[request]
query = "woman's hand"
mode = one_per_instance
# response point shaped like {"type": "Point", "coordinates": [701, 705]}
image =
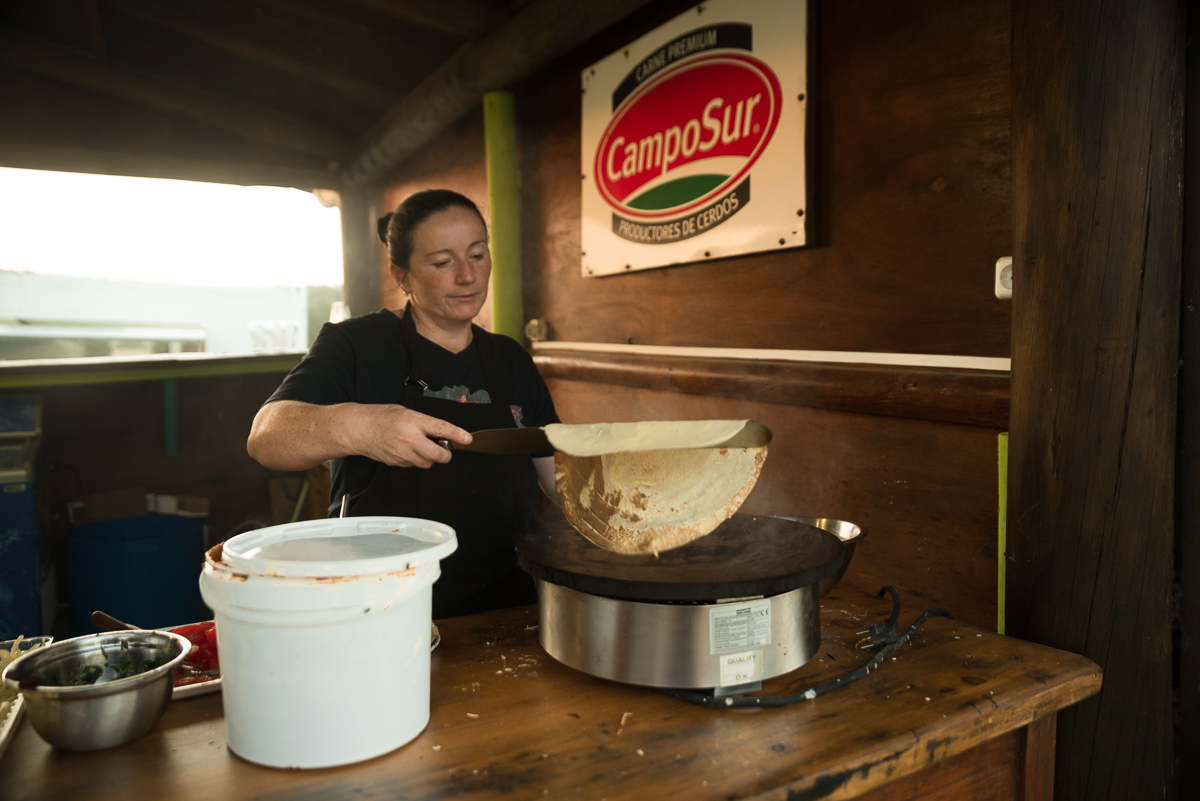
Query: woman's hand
{"type": "Point", "coordinates": [401, 437]}
{"type": "Point", "coordinates": [291, 435]}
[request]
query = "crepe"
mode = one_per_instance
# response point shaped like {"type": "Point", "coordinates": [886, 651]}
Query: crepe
{"type": "Point", "coordinates": [637, 488]}
{"type": "Point", "coordinates": [598, 439]}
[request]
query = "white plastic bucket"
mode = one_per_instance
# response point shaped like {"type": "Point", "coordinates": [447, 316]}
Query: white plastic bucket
{"type": "Point", "coordinates": [323, 635]}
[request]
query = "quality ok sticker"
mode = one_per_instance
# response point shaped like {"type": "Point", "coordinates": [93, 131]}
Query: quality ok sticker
{"type": "Point", "coordinates": [741, 668]}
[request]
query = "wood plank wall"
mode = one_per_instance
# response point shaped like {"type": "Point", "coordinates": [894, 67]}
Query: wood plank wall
{"type": "Point", "coordinates": [1098, 93]}
{"type": "Point", "coordinates": [911, 199]}
{"type": "Point", "coordinates": [911, 209]}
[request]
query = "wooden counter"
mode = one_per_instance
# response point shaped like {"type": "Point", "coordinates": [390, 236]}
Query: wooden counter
{"type": "Point", "coordinates": [948, 717]}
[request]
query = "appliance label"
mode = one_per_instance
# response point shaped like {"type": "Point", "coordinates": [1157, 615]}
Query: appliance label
{"type": "Point", "coordinates": [741, 668]}
{"type": "Point", "coordinates": [736, 627]}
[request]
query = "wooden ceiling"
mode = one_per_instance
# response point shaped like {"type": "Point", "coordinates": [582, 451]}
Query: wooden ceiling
{"type": "Point", "coordinates": [286, 92]}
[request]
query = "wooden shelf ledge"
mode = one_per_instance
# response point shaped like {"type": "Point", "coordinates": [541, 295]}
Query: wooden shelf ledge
{"type": "Point", "coordinates": [967, 397]}
{"type": "Point", "coordinates": [21, 374]}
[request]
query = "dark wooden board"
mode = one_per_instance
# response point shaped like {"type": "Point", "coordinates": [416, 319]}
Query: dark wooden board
{"type": "Point", "coordinates": [1187, 476]}
{"type": "Point", "coordinates": [1187, 465]}
{"type": "Point", "coordinates": [986, 773]}
{"type": "Point", "coordinates": [744, 556]}
{"type": "Point", "coordinates": [1097, 171]}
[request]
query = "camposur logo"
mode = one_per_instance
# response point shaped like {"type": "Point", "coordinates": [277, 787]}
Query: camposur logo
{"type": "Point", "coordinates": [675, 159]}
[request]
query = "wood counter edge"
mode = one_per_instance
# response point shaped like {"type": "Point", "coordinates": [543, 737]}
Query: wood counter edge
{"type": "Point", "coordinates": [859, 775]}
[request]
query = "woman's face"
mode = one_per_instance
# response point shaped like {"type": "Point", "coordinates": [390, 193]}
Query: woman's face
{"type": "Point", "coordinates": [447, 276]}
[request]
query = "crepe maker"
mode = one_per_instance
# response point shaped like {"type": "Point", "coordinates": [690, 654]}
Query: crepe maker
{"type": "Point", "coordinates": [722, 613]}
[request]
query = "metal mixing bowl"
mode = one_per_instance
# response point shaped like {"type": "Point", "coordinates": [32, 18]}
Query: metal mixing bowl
{"type": "Point", "coordinates": [848, 533]}
{"type": "Point", "coordinates": [89, 717]}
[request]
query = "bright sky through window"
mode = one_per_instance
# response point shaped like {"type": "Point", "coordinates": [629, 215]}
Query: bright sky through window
{"type": "Point", "coordinates": [162, 231]}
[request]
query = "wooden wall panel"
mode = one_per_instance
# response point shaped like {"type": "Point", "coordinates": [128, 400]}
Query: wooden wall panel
{"type": "Point", "coordinates": [912, 199]}
{"type": "Point", "coordinates": [925, 491]}
{"type": "Point", "coordinates": [1097, 176]}
{"type": "Point", "coordinates": [1187, 465]}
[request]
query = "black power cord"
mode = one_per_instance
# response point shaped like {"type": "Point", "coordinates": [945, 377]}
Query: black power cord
{"type": "Point", "coordinates": [884, 636]}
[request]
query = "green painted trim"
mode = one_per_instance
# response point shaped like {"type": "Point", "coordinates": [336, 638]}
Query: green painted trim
{"type": "Point", "coordinates": [122, 376]}
{"type": "Point", "coordinates": [504, 203]}
{"type": "Point", "coordinates": [171, 417]}
{"type": "Point", "coordinates": [1001, 560]}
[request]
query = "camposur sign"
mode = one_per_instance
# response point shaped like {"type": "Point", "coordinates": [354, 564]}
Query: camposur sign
{"type": "Point", "coordinates": [693, 139]}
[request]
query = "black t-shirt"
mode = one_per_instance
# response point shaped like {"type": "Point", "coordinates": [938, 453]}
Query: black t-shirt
{"type": "Point", "coordinates": [363, 360]}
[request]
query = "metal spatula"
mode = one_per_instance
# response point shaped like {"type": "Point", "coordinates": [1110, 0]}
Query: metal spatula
{"type": "Point", "coordinates": [504, 441]}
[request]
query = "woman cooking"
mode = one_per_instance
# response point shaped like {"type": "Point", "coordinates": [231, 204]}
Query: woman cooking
{"type": "Point", "coordinates": [375, 392]}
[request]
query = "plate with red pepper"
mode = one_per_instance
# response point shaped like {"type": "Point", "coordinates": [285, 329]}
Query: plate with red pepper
{"type": "Point", "coordinates": [200, 672]}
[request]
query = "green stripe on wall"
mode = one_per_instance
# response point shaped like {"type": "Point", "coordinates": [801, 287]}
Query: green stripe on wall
{"type": "Point", "coordinates": [1001, 560]}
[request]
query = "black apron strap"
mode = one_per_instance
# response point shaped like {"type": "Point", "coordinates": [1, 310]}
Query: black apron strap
{"type": "Point", "coordinates": [496, 386]}
{"type": "Point", "coordinates": [414, 383]}
{"type": "Point", "coordinates": [396, 487]}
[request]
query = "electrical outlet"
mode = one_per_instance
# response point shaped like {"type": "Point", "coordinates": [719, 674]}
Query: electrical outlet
{"type": "Point", "coordinates": [1004, 272]}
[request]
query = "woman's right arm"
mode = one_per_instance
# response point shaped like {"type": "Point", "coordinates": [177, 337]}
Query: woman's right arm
{"type": "Point", "coordinates": [293, 435]}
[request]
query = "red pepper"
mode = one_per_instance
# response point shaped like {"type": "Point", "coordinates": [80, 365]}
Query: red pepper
{"type": "Point", "coordinates": [203, 637]}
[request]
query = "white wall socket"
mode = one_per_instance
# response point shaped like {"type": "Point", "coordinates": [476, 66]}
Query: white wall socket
{"type": "Point", "coordinates": [1004, 277]}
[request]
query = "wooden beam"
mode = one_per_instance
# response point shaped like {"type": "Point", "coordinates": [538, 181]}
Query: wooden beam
{"type": "Point", "coordinates": [368, 94]}
{"type": "Point", "coordinates": [360, 250]}
{"type": "Point", "coordinates": [96, 28]}
{"type": "Point", "coordinates": [968, 397]}
{"type": "Point", "coordinates": [465, 18]}
{"type": "Point", "coordinates": [543, 31]}
{"type": "Point", "coordinates": [1187, 476]}
{"type": "Point", "coordinates": [256, 124]}
{"type": "Point", "coordinates": [36, 156]}
{"type": "Point", "coordinates": [1036, 773]}
{"type": "Point", "coordinates": [1097, 171]}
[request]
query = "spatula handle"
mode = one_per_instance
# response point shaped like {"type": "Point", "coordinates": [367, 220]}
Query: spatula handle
{"type": "Point", "coordinates": [109, 623]}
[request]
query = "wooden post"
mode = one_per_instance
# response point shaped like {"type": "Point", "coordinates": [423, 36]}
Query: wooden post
{"type": "Point", "coordinates": [360, 250]}
{"type": "Point", "coordinates": [504, 202]}
{"type": "Point", "coordinates": [1187, 483]}
{"type": "Point", "coordinates": [1036, 778]}
{"type": "Point", "coordinates": [1097, 169]}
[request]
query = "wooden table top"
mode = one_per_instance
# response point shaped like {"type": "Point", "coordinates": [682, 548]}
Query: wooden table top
{"type": "Point", "coordinates": [508, 720]}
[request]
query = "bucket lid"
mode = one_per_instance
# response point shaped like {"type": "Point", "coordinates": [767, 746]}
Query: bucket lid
{"type": "Point", "coordinates": [348, 546]}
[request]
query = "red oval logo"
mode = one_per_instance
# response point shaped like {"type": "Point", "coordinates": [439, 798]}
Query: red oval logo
{"type": "Point", "coordinates": [687, 135]}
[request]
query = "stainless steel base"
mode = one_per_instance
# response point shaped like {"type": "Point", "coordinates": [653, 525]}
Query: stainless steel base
{"type": "Point", "coordinates": [685, 645]}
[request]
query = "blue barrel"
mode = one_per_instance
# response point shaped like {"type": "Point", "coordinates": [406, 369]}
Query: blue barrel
{"type": "Point", "coordinates": [20, 572]}
{"type": "Point", "coordinates": [143, 570]}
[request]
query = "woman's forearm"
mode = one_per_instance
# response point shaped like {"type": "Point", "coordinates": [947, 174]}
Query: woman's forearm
{"type": "Point", "coordinates": [292, 435]}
